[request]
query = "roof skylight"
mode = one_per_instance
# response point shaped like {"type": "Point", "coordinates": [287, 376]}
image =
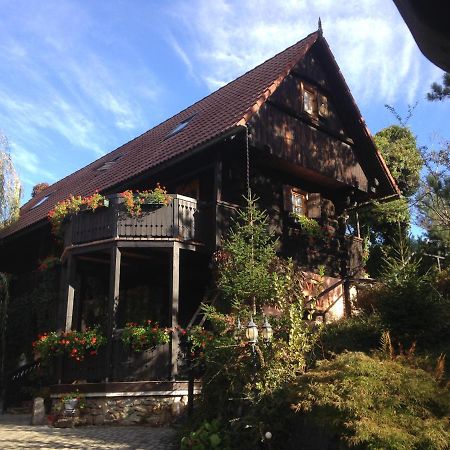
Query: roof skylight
{"type": "Point", "coordinates": [179, 127]}
{"type": "Point", "coordinates": [108, 164]}
{"type": "Point", "coordinates": [42, 200]}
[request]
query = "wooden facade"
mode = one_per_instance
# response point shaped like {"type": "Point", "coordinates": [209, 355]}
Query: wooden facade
{"type": "Point", "coordinates": [304, 138]}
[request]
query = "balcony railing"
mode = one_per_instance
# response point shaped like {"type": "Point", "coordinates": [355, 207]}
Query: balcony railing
{"type": "Point", "coordinates": [179, 220]}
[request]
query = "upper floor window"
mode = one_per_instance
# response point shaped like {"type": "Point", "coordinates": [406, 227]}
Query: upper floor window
{"type": "Point", "coordinates": [314, 103]}
{"type": "Point", "coordinates": [303, 203]}
{"type": "Point", "coordinates": [323, 106]}
{"type": "Point", "coordinates": [298, 200]}
{"type": "Point", "coordinates": [309, 101]}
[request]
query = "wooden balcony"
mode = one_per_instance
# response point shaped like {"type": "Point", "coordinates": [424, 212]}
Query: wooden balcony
{"type": "Point", "coordinates": [180, 220]}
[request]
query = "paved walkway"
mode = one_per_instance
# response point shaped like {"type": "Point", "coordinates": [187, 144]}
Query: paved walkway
{"type": "Point", "coordinates": [16, 433]}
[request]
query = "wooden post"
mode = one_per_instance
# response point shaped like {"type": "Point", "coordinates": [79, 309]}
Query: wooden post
{"type": "Point", "coordinates": [69, 292]}
{"type": "Point", "coordinates": [347, 298]}
{"type": "Point", "coordinates": [114, 290]}
{"type": "Point", "coordinates": [217, 218]}
{"type": "Point", "coordinates": [174, 298]}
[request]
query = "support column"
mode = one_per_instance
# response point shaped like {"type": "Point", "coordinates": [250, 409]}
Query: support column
{"type": "Point", "coordinates": [69, 289]}
{"type": "Point", "coordinates": [114, 289]}
{"type": "Point", "coordinates": [174, 299]}
{"type": "Point", "coordinates": [347, 298]}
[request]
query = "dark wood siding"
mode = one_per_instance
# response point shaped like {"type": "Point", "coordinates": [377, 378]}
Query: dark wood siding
{"type": "Point", "coordinates": [294, 140]}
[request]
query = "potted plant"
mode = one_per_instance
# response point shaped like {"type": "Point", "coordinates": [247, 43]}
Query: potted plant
{"type": "Point", "coordinates": [73, 400]}
{"type": "Point", "coordinates": [72, 205]}
{"type": "Point", "coordinates": [76, 344]}
{"type": "Point", "coordinates": [133, 201]}
{"type": "Point", "coordinates": [145, 336]}
{"type": "Point", "coordinates": [94, 201]}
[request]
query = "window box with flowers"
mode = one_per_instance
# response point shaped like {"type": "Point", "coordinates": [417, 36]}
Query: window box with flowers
{"type": "Point", "coordinates": [76, 344]}
{"type": "Point", "coordinates": [72, 205]}
{"type": "Point", "coordinates": [146, 336]}
{"type": "Point", "coordinates": [134, 200]}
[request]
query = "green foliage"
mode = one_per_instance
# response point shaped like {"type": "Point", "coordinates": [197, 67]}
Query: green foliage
{"type": "Point", "coordinates": [207, 437]}
{"type": "Point", "coordinates": [440, 91]}
{"type": "Point", "coordinates": [409, 304]}
{"type": "Point", "coordinates": [76, 344]}
{"type": "Point", "coordinates": [434, 206]}
{"type": "Point", "coordinates": [10, 187]}
{"type": "Point", "coordinates": [399, 148]}
{"type": "Point", "coordinates": [142, 337]}
{"type": "Point", "coordinates": [357, 333]}
{"type": "Point", "coordinates": [244, 274]}
{"type": "Point", "coordinates": [310, 227]}
{"type": "Point", "coordinates": [375, 403]}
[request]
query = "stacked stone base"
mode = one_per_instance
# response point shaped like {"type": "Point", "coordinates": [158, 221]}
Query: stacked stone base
{"type": "Point", "coordinates": [148, 403]}
{"type": "Point", "coordinates": [151, 410]}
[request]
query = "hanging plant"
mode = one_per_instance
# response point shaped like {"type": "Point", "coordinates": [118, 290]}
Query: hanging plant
{"type": "Point", "coordinates": [133, 201]}
{"type": "Point", "coordinates": [143, 337]}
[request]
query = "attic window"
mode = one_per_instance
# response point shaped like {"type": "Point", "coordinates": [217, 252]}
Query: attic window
{"type": "Point", "coordinates": [309, 101]}
{"type": "Point", "coordinates": [179, 127]}
{"type": "Point", "coordinates": [108, 164]}
{"type": "Point", "coordinates": [323, 106]}
{"type": "Point", "coordinates": [42, 200]}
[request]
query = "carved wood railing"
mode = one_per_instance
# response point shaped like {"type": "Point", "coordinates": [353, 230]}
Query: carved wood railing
{"type": "Point", "coordinates": [178, 220]}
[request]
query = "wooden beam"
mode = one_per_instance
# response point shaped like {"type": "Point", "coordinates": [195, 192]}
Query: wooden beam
{"type": "Point", "coordinates": [114, 289]}
{"type": "Point", "coordinates": [174, 306]}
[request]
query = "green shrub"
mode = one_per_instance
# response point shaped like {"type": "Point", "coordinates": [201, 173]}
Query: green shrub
{"type": "Point", "coordinates": [207, 436]}
{"type": "Point", "coordinates": [357, 333]}
{"type": "Point", "coordinates": [375, 404]}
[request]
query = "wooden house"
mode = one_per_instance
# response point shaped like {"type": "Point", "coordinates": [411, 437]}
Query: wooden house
{"type": "Point", "coordinates": [289, 129]}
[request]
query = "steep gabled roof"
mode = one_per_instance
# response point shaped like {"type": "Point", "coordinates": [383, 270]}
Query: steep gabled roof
{"type": "Point", "coordinates": [213, 116]}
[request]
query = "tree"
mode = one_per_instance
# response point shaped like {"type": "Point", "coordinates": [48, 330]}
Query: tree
{"type": "Point", "coordinates": [10, 188]}
{"type": "Point", "coordinates": [399, 148]}
{"type": "Point", "coordinates": [440, 92]}
{"type": "Point", "coordinates": [38, 188]}
{"type": "Point", "coordinates": [434, 194]}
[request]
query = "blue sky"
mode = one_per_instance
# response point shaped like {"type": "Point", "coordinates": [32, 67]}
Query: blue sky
{"type": "Point", "coordinates": [79, 78]}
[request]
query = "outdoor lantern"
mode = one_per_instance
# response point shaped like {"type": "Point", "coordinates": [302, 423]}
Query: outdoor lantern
{"type": "Point", "coordinates": [251, 333]}
{"type": "Point", "coordinates": [267, 332]}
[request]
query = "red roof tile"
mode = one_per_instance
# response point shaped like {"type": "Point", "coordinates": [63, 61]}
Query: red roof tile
{"type": "Point", "coordinates": [214, 115]}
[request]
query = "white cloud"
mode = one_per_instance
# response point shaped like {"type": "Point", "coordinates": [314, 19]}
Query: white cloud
{"type": "Point", "coordinates": [372, 45]}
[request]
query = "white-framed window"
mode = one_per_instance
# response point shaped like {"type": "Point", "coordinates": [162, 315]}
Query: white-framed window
{"type": "Point", "coordinates": [309, 101]}
{"type": "Point", "coordinates": [323, 106]}
{"type": "Point", "coordinates": [299, 201]}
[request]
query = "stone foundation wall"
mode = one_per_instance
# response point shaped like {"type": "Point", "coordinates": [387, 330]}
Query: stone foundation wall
{"type": "Point", "coordinates": [122, 410]}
